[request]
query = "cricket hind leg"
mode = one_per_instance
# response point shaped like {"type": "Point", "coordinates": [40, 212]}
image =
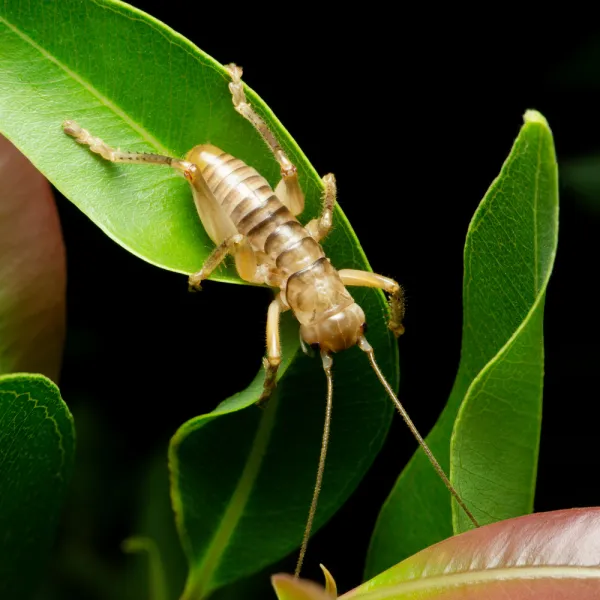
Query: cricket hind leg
{"type": "Point", "coordinates": [288, 190]}
{"type": "Point", "coordinates": [99, 146]}
{"type": "Point", "coordinates": [352, 277]}
{"type": "Point", "coordinates": [319, 228]}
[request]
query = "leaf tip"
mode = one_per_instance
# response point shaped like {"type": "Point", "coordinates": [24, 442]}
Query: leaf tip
{"type": "Point", "coordinates": [533, 116]}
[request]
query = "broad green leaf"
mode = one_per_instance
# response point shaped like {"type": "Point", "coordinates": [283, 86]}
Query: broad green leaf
{"type": "Point", "coordinates": [53, 70]}
{"type": "Point", "coordinates": [536, 557]}
{"type": "Point", "coordinates": [495, 442]}
{"type": "Point", "coordinates": [156, 523]}
{"type": "Point", "coordinates": [242, 479]}
{"type": "Point", "coordinates": [509, 254]}
{"type": "Point", "coordinates": [32, 269]}
{"type": "Point", "coordinates": [37, 445]}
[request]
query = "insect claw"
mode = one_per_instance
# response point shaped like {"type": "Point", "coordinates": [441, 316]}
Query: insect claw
{"type": "Point", "coordinates": [262, 402]}
{"type": "Point", "coordinates": [397, 329]}
{"type": "Point", "coordinates": [235, 71]}
{"type": "Point", "coordinates": [194, 287]}
{"type": "Point", "coordinates": [264, 398]}
{"type": "Point", "coordinates": [271, 365]}
{"type": "Point", "coordinates": [71, 128]}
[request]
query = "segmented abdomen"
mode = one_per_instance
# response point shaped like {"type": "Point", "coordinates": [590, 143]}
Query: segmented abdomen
{"type": "Point", "coordinates": [256, 212]}
{"type": "Point", "coordinates": [308, 281]}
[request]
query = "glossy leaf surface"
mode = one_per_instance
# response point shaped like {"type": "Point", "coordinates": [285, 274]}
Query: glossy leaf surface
{"type": "Point", "coordinates": [544, 556]}
{"type": "Point", "coordinates": [238, 475]}
{"type": "Point", "coordinates": [492, 447]}
{"type": "Point", "coordinates": [37, 446]}
{"type": "Point", "coordinates": [535, 557]}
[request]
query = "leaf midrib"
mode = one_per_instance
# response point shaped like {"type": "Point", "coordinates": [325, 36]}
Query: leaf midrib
{"type": "Point", "coordinates": [119, 112]}
{"type": "Point", "coordinates": [536, 193]}
{"type": "Point", "coordinates": [538, 299]}
{"type": "Point", "coordinates": [483, 576]}
{"type": "Point", "coordinates": [203, 573]}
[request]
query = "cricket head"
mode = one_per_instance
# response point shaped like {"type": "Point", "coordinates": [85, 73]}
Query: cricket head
{"type": "Point", "coordinates": [337, 332]}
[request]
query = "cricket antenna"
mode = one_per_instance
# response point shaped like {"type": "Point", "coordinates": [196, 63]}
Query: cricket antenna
{"type": "Point", "coordinates": [368, 349]}
{"type": "Point", "coordinates": [327, 364]}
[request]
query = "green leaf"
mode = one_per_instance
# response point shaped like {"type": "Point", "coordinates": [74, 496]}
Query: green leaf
{"type": "Point", "coordinates": [495, 442]}
{"type": "Point", "coordinates": [242, 479]}
{"type": "Point", "coordinates": [546, 555]}
{"type": "Point", "coordinates": [59, 71]}
{"type": "Point", "coordinates": [37, 445]}
{"type": "Point", "coordinates": [509, 253]}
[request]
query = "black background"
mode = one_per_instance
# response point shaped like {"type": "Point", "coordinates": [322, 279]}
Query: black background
{"type": "Point", "coordinates": [415, 114]}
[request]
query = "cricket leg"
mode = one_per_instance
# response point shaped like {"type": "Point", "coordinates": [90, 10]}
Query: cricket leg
{"type": "Point", "coordinates": [288, 190]}
{"type": "Point", "coordinates": [216, 257]}
{"type": "Point", "coordinates": [273, 358]}
{"type": "Point", "coordinates": [320, 228]}
{"type": "Point", "coordinates": [97, 145]}
{"type": "Point", "coordinates": [352, 277]}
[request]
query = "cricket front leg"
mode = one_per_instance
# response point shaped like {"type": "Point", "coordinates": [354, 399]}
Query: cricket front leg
{"type": "Point", "coordinates": [353, 277]}
{"type": "Point", "coordinates": [273, 358]}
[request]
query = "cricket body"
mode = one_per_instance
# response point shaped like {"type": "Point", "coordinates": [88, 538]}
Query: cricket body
{"type": "Point", "coordinates": [246, 218]}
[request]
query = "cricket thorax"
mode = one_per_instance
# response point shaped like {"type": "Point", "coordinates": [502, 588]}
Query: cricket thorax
{"type": "Point", "coordinates": [325, 309]}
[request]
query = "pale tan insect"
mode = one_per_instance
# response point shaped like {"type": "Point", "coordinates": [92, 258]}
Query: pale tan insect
{"type": "Point", "coordinates": [244, 217]}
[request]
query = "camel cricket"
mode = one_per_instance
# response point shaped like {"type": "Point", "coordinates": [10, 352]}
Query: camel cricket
{"type": "Point", "coordinates": [245, 218]}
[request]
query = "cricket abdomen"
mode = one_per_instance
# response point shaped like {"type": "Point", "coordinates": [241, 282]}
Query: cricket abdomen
{"type": "Point", "coordinates": [255, 211]}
